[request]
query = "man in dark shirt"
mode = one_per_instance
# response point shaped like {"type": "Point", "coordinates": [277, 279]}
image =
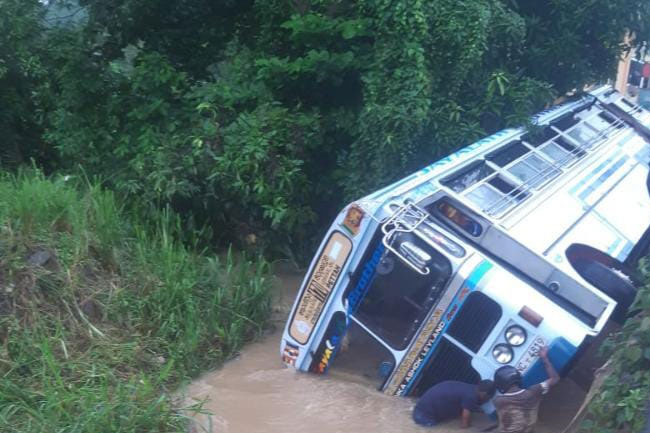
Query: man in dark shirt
{"type": "Point", "coordinates": [517, 407]}
{"type": "Point", "coordinates": [451, 399]}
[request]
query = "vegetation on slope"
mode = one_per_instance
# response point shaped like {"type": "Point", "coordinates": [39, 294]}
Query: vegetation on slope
{"type": "Point", "coordinates": [102, 309]}
{"type": "Point", "coordinates": [622, 403]}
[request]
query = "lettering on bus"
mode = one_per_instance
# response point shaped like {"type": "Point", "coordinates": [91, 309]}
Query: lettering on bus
{"type": "Point", "coordinates": [451, 312]}
{"type": "Point", "coordinates": [330, 346]}
{"type": "Point", "coordinates": [420, 359]}
{"type": "Point", "coordinates": [463, 293]}
{"type": "Point", "coordinates": [359, 291]}
{"type": "Point", "coordinates": [420, 341]}
{"type": "Point", "coordinates": [465, 150]}
{"type": "Point", "coordinates": [319, 286]}
{"type": "Point", "coordinates": [330, 343]}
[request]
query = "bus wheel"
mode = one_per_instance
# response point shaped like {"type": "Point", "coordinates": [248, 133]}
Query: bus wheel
{"type": "Point", "coordinates": [614, 284]}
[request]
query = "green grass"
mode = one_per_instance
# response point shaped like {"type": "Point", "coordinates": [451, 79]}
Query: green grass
{"type": "Point", "coordinates": [94, 339]}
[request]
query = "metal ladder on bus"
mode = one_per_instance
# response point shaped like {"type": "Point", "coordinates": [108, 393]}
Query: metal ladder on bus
{"type": "Point", "coordinates": [510, 200]}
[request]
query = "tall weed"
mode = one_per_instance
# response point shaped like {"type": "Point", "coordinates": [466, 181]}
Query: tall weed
{"type": "Point", "coordinates": [103, 309]}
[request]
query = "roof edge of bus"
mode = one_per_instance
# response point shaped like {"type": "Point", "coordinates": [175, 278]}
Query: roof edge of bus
{"type": "Point", "coordinates": [470, 151]}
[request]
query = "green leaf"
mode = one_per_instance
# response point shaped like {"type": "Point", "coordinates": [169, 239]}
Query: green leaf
{"type": "Point", "coordinates": [633, 353]}
{"type": "Point", "coordinates": [645, 324]}
{"type": "Point", "coordinates": [646, 353]}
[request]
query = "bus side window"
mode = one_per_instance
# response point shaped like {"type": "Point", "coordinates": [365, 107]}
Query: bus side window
{"type": "Point", "coordinates": [539, 136]}
{"type": "Point", "coordinates": [508, 153]}
{"type": "Point", "coordinates": [474, 173]}
{"type": "Point", "coordinates": [583, 134]}
{"type": "Point", "coordinates": [565, 122]}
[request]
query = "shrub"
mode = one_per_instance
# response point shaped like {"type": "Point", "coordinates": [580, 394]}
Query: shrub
{"type": "Point", "coordinates": [621, 405]}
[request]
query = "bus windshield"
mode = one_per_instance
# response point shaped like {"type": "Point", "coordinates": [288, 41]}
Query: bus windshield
{"type": "Point", "coordinates": [398, 298]}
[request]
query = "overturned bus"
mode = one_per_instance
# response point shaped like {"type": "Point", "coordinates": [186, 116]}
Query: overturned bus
{"type": "Point", "coordinates": [521, 240]}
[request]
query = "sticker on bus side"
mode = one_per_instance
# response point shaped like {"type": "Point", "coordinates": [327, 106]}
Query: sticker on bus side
{"type": "Point", "coordinates": [321, 282]}
{"type": "Point", "coordinates": [353, 218]}
{"type": "Point", "coordinates": [330, 343]}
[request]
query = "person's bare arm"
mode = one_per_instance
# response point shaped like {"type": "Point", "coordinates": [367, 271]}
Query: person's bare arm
{"type": "Point", "coordinates": [553, 377]}
{"type": "Point", "coordinates": [465, 418]}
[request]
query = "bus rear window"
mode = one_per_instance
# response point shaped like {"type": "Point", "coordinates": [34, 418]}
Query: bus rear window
{"type": "Point", "coordinates": [535, 138]}
{"type": "Point", "coordinates": [464, 179]}
{"type": "Point", "coordinates": [626, 102]}
{"type": "Point", "coordinates": [583, 134]}
{"type": "Point", "coordinates": [508, 153]}
{"type": "Point", "coordinates": [565, 122]}
{"type": "Point", "coordinates": [599, 123]}
{"type": "Point", "coordinates": [533, 171]}
{"type": "Point", "coordinates": [560, 151]}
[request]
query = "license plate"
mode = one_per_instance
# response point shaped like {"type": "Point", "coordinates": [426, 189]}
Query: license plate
{"type": "Point", "coordinates": [531, 354]}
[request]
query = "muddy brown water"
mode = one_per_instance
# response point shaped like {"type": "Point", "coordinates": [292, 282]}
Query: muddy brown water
{"type": "Point", "coordinates": [255, 392]}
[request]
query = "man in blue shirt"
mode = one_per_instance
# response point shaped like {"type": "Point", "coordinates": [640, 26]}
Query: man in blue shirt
{"type": "Point", "coordinates": [451, 399]}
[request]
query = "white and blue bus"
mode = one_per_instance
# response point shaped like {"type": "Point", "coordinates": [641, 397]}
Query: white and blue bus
{"type": "Point", "coordinates": [520, 240]}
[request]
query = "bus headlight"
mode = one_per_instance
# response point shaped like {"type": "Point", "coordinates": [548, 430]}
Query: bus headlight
{"type": "Point", "coordinates": [515, 335]}
{"type": "Point", "coordinates": [502, 353]}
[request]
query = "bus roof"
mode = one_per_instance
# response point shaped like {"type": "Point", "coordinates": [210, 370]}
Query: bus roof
{"type": "Point", "coordinates": [425, 182]}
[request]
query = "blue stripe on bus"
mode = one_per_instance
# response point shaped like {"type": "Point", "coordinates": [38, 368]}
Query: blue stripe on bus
{"type": "Point", "coordinates": [593, 173]}
{"type": "Point", "coordinates": [625, 251]}
{"type": "Point", "coordinates": [613, 246]}
{"type": "Point", "coordinates": [602, 178]}
{"type": "Point", "coordinates": [627, 138]}
{"type": "Point", "coordinates": [470, 283]}
{"type": "Point", "coordinates": [477, 274]}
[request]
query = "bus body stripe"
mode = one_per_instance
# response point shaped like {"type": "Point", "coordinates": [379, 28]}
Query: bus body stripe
{"type": "Point", "coordinates": [593, 173]}
{"type": "Point", "coordinates": [602, 178]}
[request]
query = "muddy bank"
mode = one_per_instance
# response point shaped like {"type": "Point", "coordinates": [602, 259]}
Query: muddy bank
{"type": "Point", "coordinates": [256, 393]}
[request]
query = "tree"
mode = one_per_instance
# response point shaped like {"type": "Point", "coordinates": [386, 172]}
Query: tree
{"type": "Point", "coordinates": [21, 69]}
{"type": "Point", "coordinates": [267, 115]}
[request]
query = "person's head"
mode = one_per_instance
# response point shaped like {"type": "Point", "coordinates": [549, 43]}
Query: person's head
{"type": "Point", "coordinates": [507, 378]}
{"type": "Point", "coordinates": [485, 390]}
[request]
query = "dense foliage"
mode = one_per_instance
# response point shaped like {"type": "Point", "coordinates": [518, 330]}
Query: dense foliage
{"type": "Point", "coordinates": [260, 118]}
{"type": "Point", "coordinates": [621, 404]}
{"type": "Point", "coordinates": [102, 310]}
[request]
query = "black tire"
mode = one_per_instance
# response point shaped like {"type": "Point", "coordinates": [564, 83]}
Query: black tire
{"type": "Point", "coordinates": [612, 283]}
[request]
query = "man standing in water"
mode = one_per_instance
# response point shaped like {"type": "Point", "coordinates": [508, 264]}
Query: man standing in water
{"type": "Point", "coordinates": [451, 399]}
{"type": "Point", "coordinates": [517, 407]}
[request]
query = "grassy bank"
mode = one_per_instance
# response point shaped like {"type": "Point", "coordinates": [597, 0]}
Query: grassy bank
{"type": "Point", "coordinates": [102, 311]}
{"type": "Point", "coordinates": [621, 404]}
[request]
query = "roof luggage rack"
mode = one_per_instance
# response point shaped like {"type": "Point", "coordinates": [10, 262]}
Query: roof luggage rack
{"type": "Point", "coordinates": [512, 173]}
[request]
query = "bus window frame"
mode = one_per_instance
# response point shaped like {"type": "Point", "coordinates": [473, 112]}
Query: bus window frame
{"type": "Point", "coordinates": [374, 329]}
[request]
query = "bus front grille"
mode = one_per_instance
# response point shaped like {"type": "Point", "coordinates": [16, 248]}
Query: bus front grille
{"type": "Point", "coordinates": [475, 320]}
{"type": "Point", "coordinates": [447, 363]}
